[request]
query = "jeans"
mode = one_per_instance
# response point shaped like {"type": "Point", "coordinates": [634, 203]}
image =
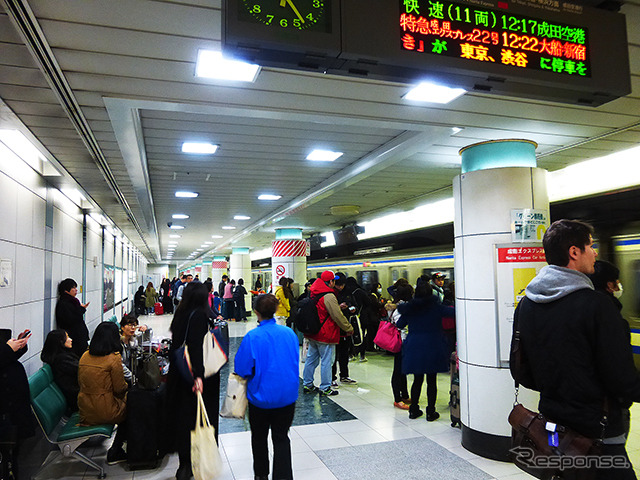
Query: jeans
{"type": "Point", "coordinates": [324, 354]}
{"type": "Point", "coordinates": [279, 420]}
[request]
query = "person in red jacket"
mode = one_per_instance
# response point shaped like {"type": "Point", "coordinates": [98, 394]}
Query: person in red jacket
{"type": "Point", "coordinates": [322, 345]}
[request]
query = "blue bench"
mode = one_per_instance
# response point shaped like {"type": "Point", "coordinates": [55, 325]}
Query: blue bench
{"type": "Point", "coordinates": [49, 406]}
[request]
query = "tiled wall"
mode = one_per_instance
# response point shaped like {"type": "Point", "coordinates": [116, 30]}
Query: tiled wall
{"type": "Point", "coordinates": [41, 237]}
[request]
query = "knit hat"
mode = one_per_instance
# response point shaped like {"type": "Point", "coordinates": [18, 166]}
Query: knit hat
{"type": "Point", "coordinates": [327, 276]}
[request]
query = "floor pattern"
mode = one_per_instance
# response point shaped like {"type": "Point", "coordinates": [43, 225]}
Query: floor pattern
{"type": "Point", "coordinates": [357, 433]}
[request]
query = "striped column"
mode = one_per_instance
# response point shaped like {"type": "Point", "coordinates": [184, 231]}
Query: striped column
{"type": "Point", "coordinates": [219, 267]}
{"type": "Point", "coordinates": [289, 259]}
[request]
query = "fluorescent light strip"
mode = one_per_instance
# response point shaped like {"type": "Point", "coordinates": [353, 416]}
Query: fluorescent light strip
{"type": "Point", "coordinates": [241, 217]}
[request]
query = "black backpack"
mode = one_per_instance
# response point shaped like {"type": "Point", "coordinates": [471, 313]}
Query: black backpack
{"type": "Point", "coordinates": [306, 319]}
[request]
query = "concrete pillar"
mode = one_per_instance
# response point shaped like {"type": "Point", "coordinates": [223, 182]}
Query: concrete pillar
{"type": "Point", "coordinates": [289, 257]}
{"type": "Point", "coordinates": [240, 267]}
{"type": "Point", "coordinates": [499, 182]}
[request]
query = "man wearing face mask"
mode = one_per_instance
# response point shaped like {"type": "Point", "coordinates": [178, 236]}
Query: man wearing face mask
{"type": "Point", "coordinates": [605, 279]}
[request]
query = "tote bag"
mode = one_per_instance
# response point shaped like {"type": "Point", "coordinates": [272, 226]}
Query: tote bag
{"type": "Point", "coordinates": [213, 355]}
{"type": "Point", "coordinates": [206, 463]}
{"type": "Point", "coordinates": [388, 337]}
{"type": "Point", "coordinates": [235, 403]}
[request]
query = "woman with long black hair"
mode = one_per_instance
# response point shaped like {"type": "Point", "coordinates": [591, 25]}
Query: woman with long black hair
{"type": "Point", "coordinates": [190, 324]}
{"type": "Point", "coordinates": [58, 353]}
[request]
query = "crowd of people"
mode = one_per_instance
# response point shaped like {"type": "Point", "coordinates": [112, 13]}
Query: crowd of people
{"type": "Point", "coordinates": [588, 336]}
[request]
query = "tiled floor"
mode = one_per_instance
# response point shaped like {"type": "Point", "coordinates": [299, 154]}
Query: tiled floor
{"type": "Point", "coordinates": [376, 421]}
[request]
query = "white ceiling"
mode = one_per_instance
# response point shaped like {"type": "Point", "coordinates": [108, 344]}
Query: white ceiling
{"type": "Point", "coordinates": [129, 68]}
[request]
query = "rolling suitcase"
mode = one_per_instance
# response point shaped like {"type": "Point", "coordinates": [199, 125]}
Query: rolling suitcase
{"type": "Point", "coordinates": [144, 411]}
{"type": "Point", "coordinates": [158, 309]}
{"type": "Point", "coordinates": [454, 393]}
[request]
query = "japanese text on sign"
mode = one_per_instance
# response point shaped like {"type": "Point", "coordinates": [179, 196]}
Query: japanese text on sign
{"type": "Point", "coordinates": [521, 254]}
{"type": "Point", "coordinates": [481, 34]}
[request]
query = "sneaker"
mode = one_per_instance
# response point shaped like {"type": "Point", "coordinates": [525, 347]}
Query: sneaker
{"type": "Point", "coordinates": [116, 455]}
{"type": "Point", "coordinates": [401, 405]}
{"type": "Point", "coordinates": [328, 392]}
{"type": "Point", "coordinates": [311, 389]}
{"type": "Point", "coordinates": [416, 414]}
{"type": "Point", "coordinates": [433, 416]}
{"type": "Point", "coordinates": [362, 360]}
{"type": "Point", "coordinates": [407, 401]}
{"type": "Point", "coordinates": [348, 380]}
{"type": "Point", "coordinates": [335, 384]}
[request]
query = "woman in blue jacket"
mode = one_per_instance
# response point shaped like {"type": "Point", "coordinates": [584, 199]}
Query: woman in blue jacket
{"type": "Point", "coordinates": [268, 357]}
{"type": "Point", "coordinates": [425, 349]}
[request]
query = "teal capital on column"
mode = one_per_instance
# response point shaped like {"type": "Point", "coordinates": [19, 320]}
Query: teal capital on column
{"type": "Point", "coordinates": [240, 251]}
{"type": "Point", "coordinates": [498, 154]}
{"type": "Point", "coordinates": [219, 258]}
{"type": "Point", "coordinates": [288, 234]}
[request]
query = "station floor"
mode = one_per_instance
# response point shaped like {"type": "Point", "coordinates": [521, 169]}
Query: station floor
{"type": "Point", "coordinates": [356, 434]}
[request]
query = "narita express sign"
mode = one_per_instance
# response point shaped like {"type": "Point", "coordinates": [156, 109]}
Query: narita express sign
{"type": "Point", "coordinates": [497, 36]}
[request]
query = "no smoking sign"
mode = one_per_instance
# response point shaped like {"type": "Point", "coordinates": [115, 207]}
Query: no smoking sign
{"type": "Point", "coordinates": [280, 270]}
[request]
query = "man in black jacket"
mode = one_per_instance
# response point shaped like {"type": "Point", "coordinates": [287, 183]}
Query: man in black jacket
{"type": "Point", "coordinates": [576, 347]}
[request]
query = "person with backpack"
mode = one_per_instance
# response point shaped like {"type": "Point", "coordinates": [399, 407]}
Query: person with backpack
{"type": "Point", "coordinates": [322, 345]}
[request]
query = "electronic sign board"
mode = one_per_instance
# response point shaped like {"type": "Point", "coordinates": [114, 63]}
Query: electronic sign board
{"type": "Point", "coordinates": [545, 49]}
{"type": "Point", "coordinates": [486, 35]}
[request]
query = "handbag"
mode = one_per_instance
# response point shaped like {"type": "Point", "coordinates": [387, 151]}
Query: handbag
{"type": "Point", "coordinates": [213, 355]}
{"type": "Point", "coordinates": [539, 445]}
{"type": "Point", "coordinates": [180, 358]}
{"type": "Point", "coordinates": [235, 403]}
{"type": "Point", "coordinates": [149, 372]}
{"type": "Point", "coordinates": [388, 337]}
{"type": "Point", "coordinates": [531, 438]}
{"type": "Point", "coordinates": [206, 463]}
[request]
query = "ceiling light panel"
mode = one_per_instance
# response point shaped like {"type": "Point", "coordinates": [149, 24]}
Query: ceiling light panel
{"type": "Point", "coordinates": [212, 64]}
{"type": "Point", "coordinates": [185, 194]}
{"type": "Point", "coordinates": [432, 93]}
{"type": "Point", "coordinates": [199, 148]}
{"type": "Point", "coordinates": [267, 196]}
{"type": "Point", "coordinates": [180, 216]}
{"type": "Point", "coordinates": [324, 156]}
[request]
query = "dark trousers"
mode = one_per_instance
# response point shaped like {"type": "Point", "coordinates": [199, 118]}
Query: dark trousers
{"type": "Point", "coordinates": [399, 380]}
{"type": "Point", "coordinates": [228, 309]}
{"type": "Point", "coordinates": [416, 389]}
{"type": "Point", "coordinates": [342, 358]}
{"type": "Point", "coordinates": [241, 313]}
{"type": "Point", "coordinates": [279, 420]}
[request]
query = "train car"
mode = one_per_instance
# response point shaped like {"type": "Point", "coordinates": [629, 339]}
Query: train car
{"type": "Point", "coordinates": [626, 249]}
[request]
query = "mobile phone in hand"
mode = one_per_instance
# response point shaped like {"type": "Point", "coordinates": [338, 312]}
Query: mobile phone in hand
{"type": "Point", "coordinates": [24, 334]}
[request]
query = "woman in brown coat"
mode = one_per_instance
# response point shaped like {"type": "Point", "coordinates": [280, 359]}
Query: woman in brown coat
{"type": "Point", "coordinates": [103, 389]}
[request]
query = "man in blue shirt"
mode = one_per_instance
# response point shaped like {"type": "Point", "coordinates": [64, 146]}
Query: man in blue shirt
{"type": "Point", "coordinates": [268, 358]}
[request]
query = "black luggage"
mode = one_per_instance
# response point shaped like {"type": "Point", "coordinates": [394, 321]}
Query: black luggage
{"type": "Point", "coordinates": [144, 413]}
{"type": "Point", "coordinates": [454, 393]}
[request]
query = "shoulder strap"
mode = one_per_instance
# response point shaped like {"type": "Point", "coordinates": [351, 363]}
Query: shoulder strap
{"type": "Point", "coordinates": [186, 332]}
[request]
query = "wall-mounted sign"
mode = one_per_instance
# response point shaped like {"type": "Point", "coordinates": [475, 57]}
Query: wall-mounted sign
{"type": "Point", "coordinates": [528, 224]}
{"type": "Point", "coordinates": [6, 272]}
{"type": "Point", "coordinates": [516, 266]}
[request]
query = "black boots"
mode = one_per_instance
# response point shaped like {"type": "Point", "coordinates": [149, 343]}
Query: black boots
{"type": "Point", "coordinates": [432, 415]}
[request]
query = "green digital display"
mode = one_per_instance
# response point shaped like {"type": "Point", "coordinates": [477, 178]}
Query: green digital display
{"type": "Point", "coordinates": [477, 34]}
